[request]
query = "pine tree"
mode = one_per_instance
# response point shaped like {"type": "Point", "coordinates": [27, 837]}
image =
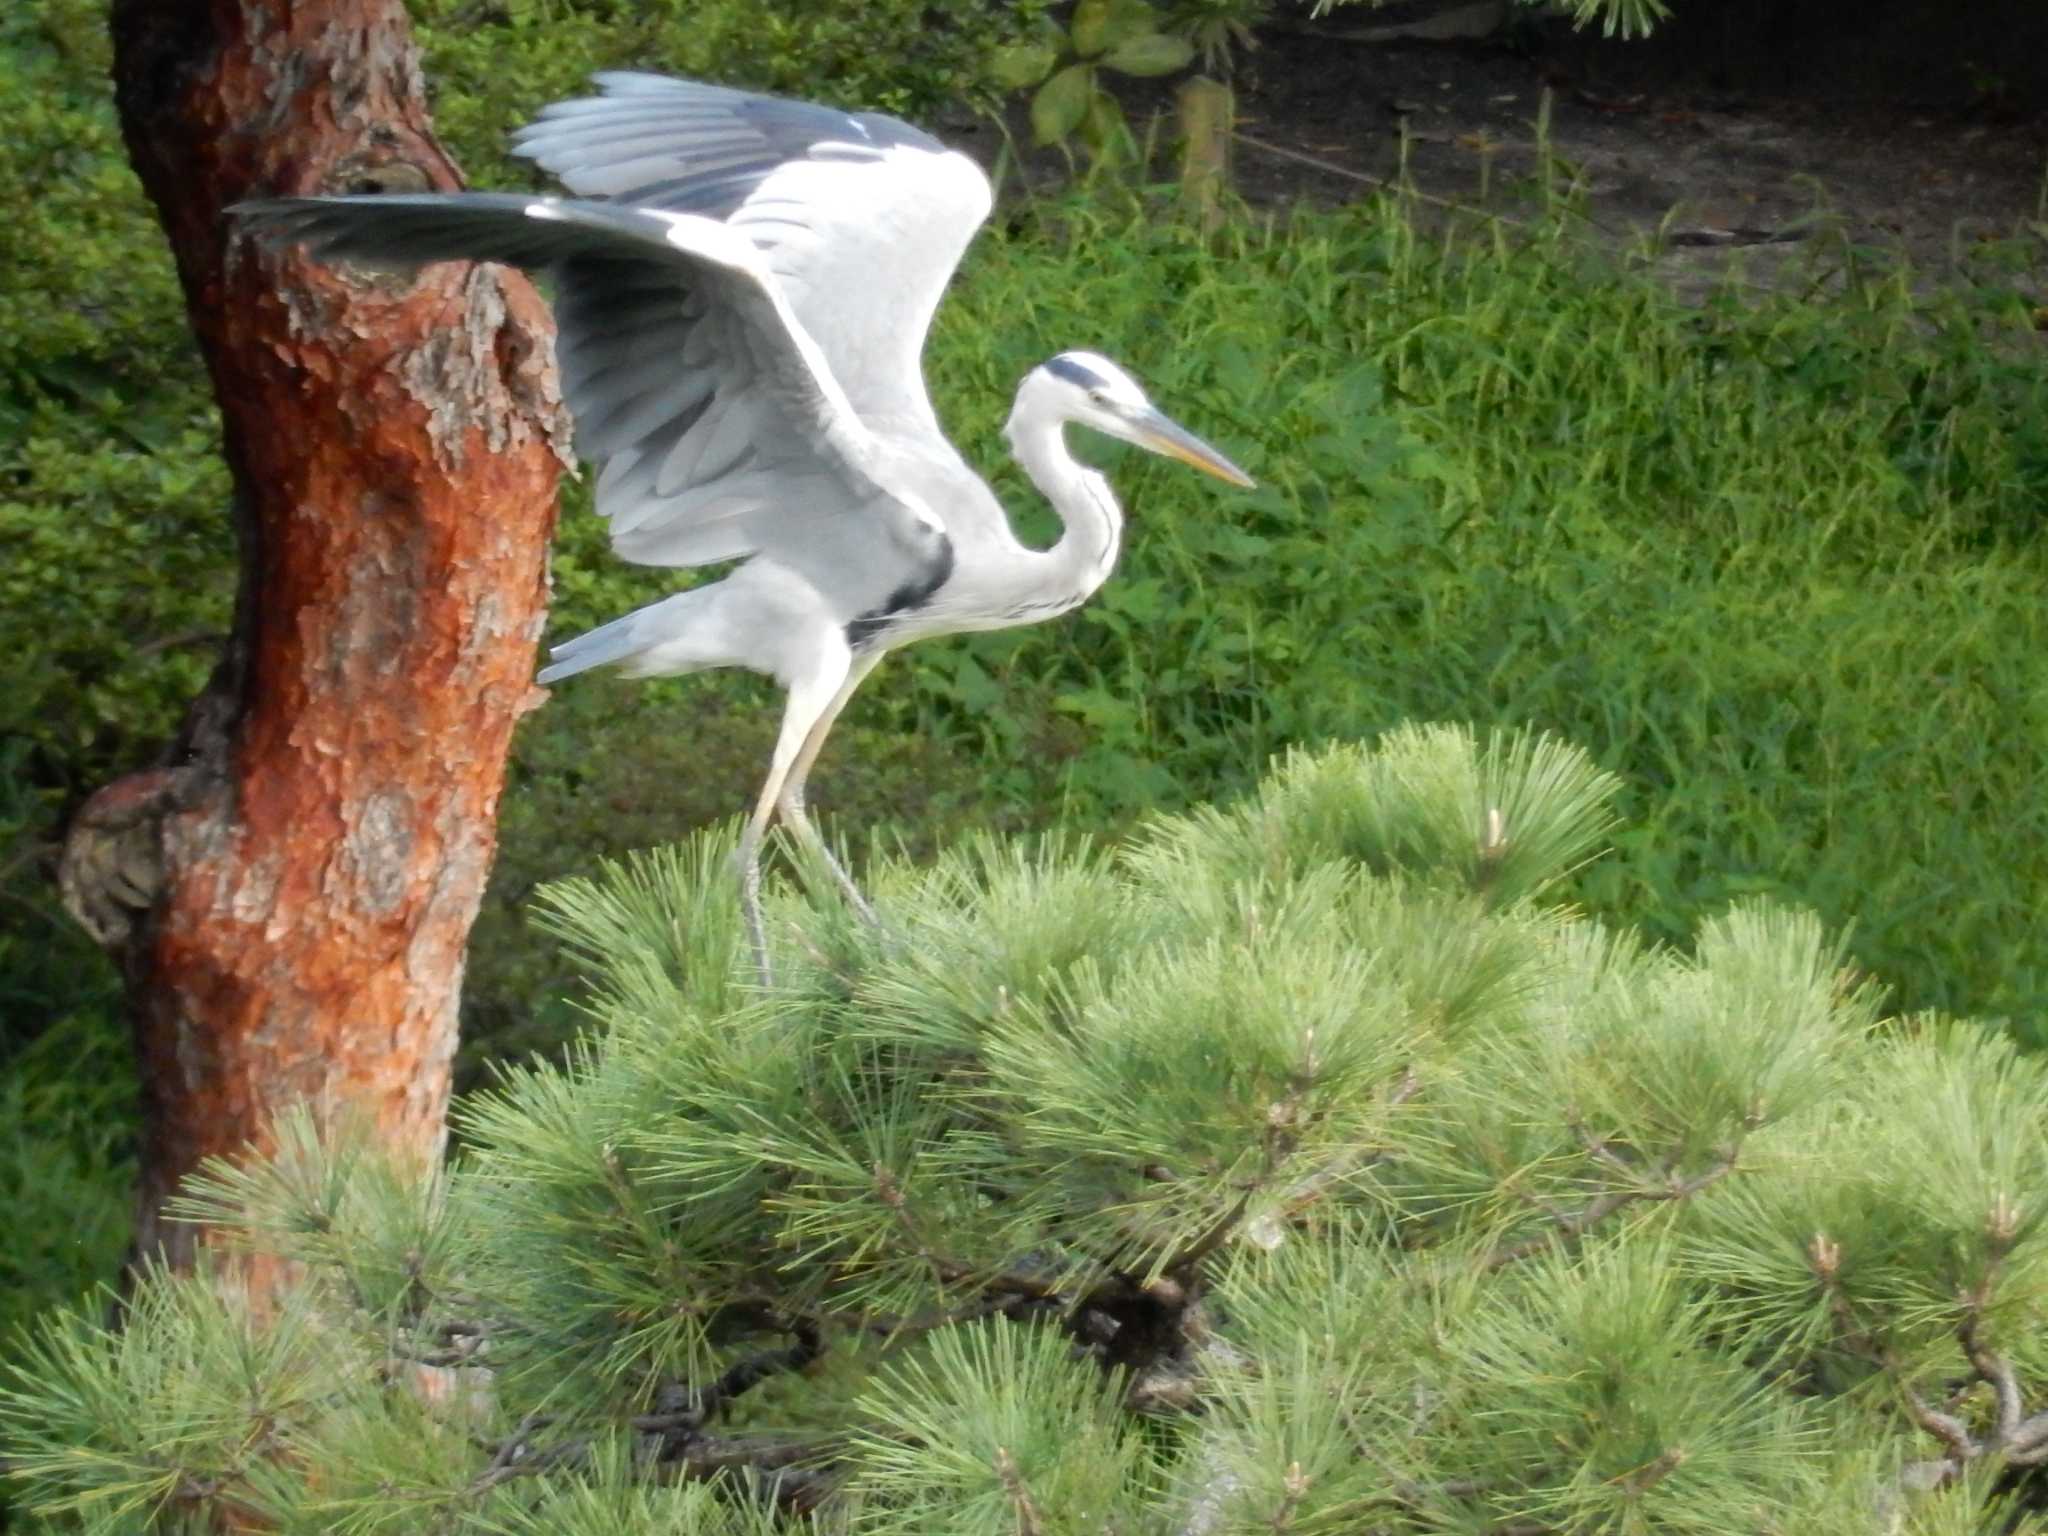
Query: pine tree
{"type": "Point", "coordinates": [1297, 1167]}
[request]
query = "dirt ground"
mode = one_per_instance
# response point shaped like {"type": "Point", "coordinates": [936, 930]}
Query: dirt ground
{"type": "Point", "coordinates": [1725, 173]}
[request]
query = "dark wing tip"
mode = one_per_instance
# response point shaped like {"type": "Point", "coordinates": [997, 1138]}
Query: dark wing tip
{"type": "Point", "coordinates": [266, 210]}
{"type": "Point", "coordinates": [274, 222]}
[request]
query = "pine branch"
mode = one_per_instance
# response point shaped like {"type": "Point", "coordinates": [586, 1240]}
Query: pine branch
{"type": "Point", "coordinates": [950, 1272]}
{"type": "Point", "coordinates": [1276, 1141]}
{"type": "Point", "coordinates": [797, 1474]}
{"type": "Point", "coordinates": [1267, 1231]}
{"type": "Point", "coordinates": [1570, 1225]}
{"type": "Point", "coordinates": [679, 1399]}
{"type": "Point", "coordinates": [1995, 1369]}
{"type": "Point", "coordinates": [2020, 1441]}
{"type": "Point", "coordinates": [1643, 1479]}
{"type": "Point", "coordinates": [1824, 1254]}
{"type": "Point", "coordinates": [675, 1448]}
{"type": "Point", "coordinates": [1217, 1233]}
{"type": "Point", "coordinates": [516, 1456]}
{"type": "Point", "coordinates": [459, 1344]}
{"type": "Point", "coordinates": [1404, 1490]}
{"type": "Point", "coordinates": [889, 1327]}
{"type": "Point", "coordinates": [2015, 1437]}
{"type": "Point", "coordinates": [1945, 1427]}
{"type": "Point", "coordinates": [1020, 1496]}
{"type": "Point", "coordinates": [2027, 1445]}
{"type": "Point", "coordinates": [672, 1434]}
{"type": "Point", "coordinates": [1294, 1488]}
{"type": "Point", "coordinates": [1602, 1151]}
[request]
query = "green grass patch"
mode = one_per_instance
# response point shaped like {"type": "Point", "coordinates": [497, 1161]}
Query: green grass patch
{"type": "Point", "coordinates": [1775, 560]}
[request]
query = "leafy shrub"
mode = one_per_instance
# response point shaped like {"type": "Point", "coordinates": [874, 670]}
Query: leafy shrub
{"type": "Point", "coordinates": [1064, 68]}
{"type": "Point", "coordinates": [67, 1114]}
{"type": "Point", "coordinates": [115, 548]}
{"type": "Point", "coordinates": [116, 578]}
{"type": "Point", "coordinates": [493, 65]}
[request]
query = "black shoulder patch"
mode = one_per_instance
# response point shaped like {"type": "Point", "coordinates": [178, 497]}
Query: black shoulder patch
{"type": "Point", "coordinates": [1079, 374]}
{"type": "Point", "coordinates": [914, 593]}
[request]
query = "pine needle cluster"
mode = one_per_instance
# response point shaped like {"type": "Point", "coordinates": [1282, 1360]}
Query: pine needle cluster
{"type": "Point", "coordinates": [1293, 1168]}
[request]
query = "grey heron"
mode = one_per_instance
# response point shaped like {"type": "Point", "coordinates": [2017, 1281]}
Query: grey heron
{"type": "Point", "coordinates": [742, 289]}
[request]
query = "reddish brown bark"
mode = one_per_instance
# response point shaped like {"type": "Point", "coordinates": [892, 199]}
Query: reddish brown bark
{"type": "Point", "coordinates": [291, 891]}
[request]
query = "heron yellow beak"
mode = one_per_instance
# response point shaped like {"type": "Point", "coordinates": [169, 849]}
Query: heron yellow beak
{"type": "Point", "coordinates": [1160, 433]}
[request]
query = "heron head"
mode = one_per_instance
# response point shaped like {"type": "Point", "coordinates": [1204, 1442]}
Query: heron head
{"type": "Point", "coordinates": [1088, 388]}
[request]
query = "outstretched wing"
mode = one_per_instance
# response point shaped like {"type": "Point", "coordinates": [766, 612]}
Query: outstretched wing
{"type": "Point", "coordinates": [862, 218]}
{"type": "Point", "coordinates": [723, 430]}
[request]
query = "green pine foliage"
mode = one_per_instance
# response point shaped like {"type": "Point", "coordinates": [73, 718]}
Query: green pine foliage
{"type": "Point", "coordinates": [1295, 1167]}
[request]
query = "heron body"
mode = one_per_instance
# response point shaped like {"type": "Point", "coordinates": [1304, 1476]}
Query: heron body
{"type": "Point", "coordinates": [742, 289]}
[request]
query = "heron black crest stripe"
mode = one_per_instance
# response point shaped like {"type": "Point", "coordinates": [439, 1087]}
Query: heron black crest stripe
{"type": "Point", "coordinates": [913, 594]}
{"type": "Point", "coordinates": [1083, 377]}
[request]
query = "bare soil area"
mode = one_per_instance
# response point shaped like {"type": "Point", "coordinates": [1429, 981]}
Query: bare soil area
{"type": "Point", "coordinates": [1724, 173]}
{"type": "Point", "coordinates": [1713, 171]}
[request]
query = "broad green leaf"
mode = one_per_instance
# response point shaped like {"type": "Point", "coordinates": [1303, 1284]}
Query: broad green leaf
{"type": "Point", "coordinates": [1149, 53]}
{"type": "Point", "coordinates": [1129, 19]}
{"type": "Point", "coordinates": [1104, 127]}
{"type": "Point", "coordinates": [1100, 26]}
{"type": "Point", "coordinates": [1061, 103]}
{"type": "Point", "coordinates": [1021, 64]}
{"type": "Point", "coordinates": [1090, 27]}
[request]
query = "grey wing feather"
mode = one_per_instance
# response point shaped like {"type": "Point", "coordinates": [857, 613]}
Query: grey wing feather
{"type": "Point", "coordinates": [861, 217]}
{"type": "Point", "coordinates": [685, 369]}
{"type": "Point", "coordinates": [596, 648]}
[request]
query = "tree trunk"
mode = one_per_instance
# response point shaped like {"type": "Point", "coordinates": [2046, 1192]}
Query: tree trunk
{"type": "Point", "coordinates": [290, 891]}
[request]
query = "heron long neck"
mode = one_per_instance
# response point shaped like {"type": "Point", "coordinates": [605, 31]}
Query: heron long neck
{"type": "Point", "coordinates": [1063, 576]}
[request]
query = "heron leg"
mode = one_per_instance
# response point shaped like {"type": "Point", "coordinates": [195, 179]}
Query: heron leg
{"type": "Point", "coordinates": [790, 804]}
{"type": "Point", "coordinates": [748, 857]}
{"type": "Point", "coordinates": [811, 699]}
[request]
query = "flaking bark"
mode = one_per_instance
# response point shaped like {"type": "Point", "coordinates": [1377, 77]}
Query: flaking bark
{"type": "Point", "coordinates": [289, 892]}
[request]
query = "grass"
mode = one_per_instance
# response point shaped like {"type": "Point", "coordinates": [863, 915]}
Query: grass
{"type": "Point", "coordinates": [1776, 560]}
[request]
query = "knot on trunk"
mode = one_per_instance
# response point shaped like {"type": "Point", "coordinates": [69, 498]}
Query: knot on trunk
{"type": "Point", "coordinates": [113, 862]}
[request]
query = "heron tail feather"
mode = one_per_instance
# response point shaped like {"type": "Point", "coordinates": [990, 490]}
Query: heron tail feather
{"type": "Point", "coordinates": [607, 643]}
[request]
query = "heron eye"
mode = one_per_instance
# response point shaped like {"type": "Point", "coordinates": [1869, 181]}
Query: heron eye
{"type": "Point", "coordinates": [1100, 397]}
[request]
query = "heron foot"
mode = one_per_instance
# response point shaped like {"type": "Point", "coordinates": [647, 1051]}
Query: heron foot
{"type": "Point", "coordinates": [798, 820]}
{"type": "Point", "coordinates": [854, 899]}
